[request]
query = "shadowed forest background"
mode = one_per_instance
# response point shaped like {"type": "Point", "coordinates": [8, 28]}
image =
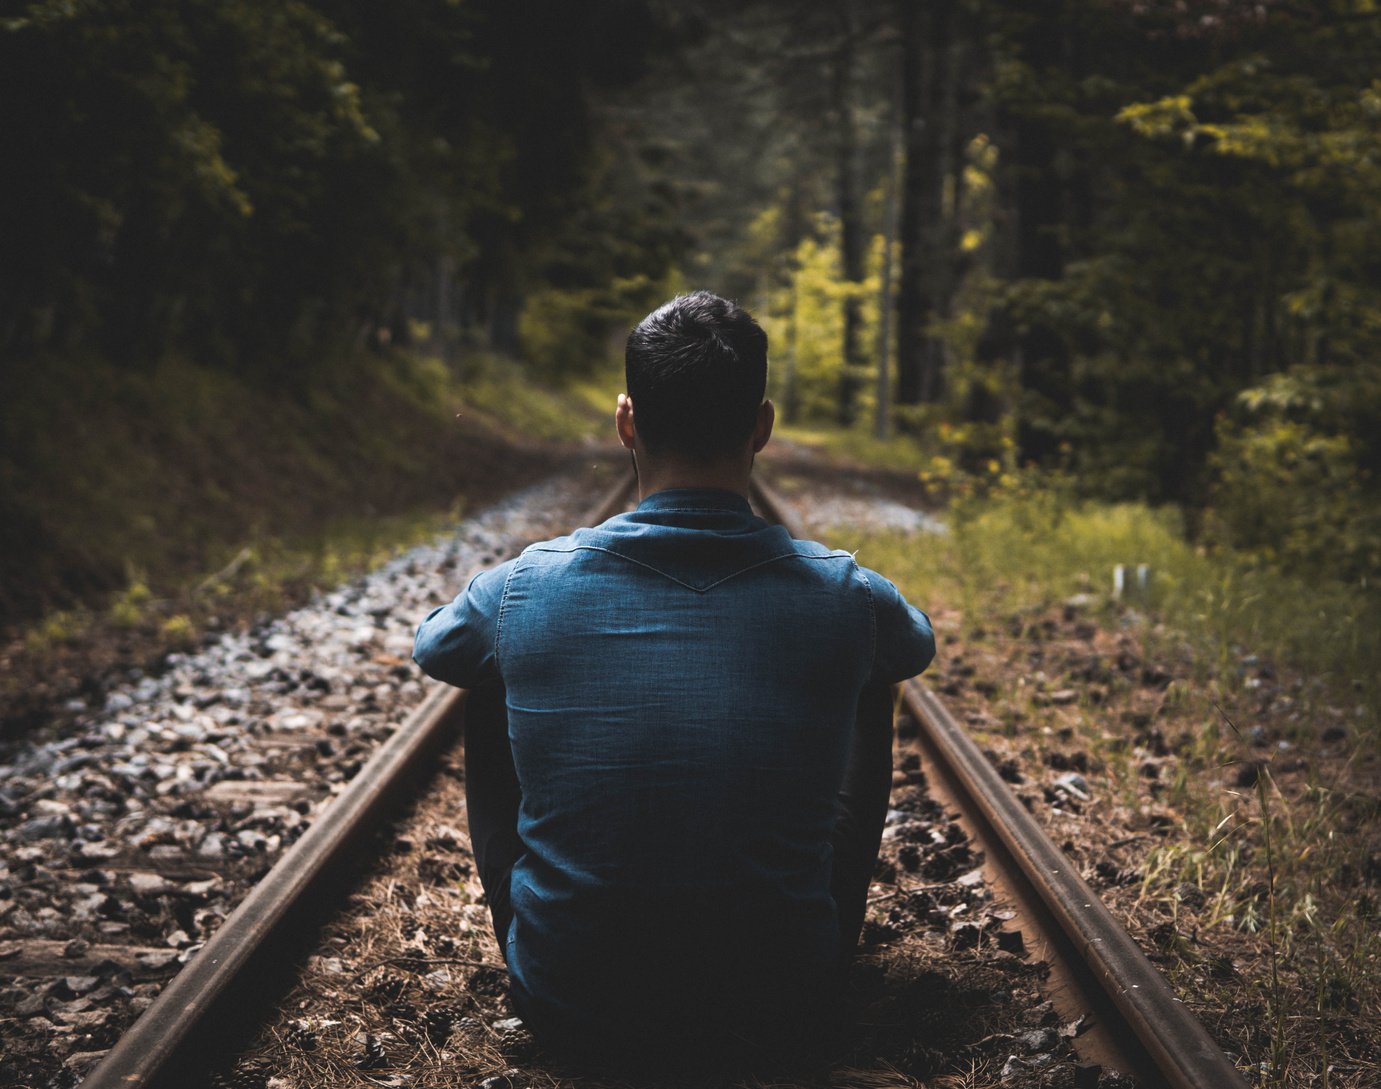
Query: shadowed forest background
{"type": "Point", "coordinates": [251, 252]}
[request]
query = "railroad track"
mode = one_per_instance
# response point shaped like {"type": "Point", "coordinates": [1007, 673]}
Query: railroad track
{"type": "Point", "coordinates": [1137, 1025]}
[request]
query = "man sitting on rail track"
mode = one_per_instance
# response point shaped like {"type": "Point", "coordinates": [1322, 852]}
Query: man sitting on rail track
{"type": "Point", "coordinates": [678, 742]}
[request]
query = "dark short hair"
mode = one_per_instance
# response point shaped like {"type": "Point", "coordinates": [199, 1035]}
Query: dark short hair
{"type": "Point", "coordinates": [696, 369]}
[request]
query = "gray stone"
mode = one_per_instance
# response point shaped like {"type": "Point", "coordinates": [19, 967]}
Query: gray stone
{"type": "Point", "coordinates": [49, 827]}
{"type": "Point", "coordinates": [1041, 1039]}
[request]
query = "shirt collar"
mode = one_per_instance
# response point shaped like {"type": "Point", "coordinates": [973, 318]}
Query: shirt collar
{"type": "Point", "coordinates": [695, 499]}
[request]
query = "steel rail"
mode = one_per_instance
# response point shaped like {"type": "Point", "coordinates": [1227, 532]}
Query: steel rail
{"type": "Point", "coordinates": [1183, 1053]}
{"type": "Point", "coordinates": [164, 1036]}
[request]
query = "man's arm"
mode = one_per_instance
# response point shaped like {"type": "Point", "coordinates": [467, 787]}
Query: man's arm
{"type": "Point", "coordinates": [905, 641]}
{"type": "Point", "coordinates": [457, 643]}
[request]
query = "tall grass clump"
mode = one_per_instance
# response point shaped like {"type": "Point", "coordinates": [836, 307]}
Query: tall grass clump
{"type": "Point", "coordinates": [1030, 545]}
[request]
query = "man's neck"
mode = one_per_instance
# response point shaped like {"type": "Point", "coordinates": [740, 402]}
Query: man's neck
{"type": "Point", "coordinates": [660, 476]}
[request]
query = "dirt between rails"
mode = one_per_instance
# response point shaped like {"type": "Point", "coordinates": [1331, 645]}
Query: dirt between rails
{"type": "Point", "coordinates": [407, 987]}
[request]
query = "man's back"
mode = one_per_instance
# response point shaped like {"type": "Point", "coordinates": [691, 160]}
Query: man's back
{"type": "Point", "coordinates": [681, 687]}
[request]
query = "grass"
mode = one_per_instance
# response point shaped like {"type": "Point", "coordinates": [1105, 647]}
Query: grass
{"type": "Point", "coordinates": [852, 444]}
{"type": "Point", "coordinates": [1277, 829]}
{"type": "Point", "coordinates": [579, 410]}
{"type": "Point", "coordinates": [143, 506]}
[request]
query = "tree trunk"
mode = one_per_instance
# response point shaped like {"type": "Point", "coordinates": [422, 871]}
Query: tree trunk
{"type": "Point", "coordinates": [882, 402]}
{"type": "Point", "coordinates": [1039, 219]}
{"type": "Point", "coordinates": [926, 36]}
{"type": "Point", "coordinates": [852, 246]}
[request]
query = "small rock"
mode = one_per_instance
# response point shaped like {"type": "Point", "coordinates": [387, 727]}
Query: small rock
{"type": "Point", "coordinates": [49, 827]}
{"type": "Point", "coordinates": [1190, 895]}
{"type": "Point", "coordinates": [1075, 784]}
{"type": "Point", "coordinates": [372, 1056]}
{"type": "Point", "coordinates": [1041, 1039]}
{"type": "Point", "coordinates": [1063, 696]}
{"type": "Point", "coordinates": [1075, 1028]}
{"type": "Point", "coordinates": [31, 1006]}
{"type": "Point", "coordinates": [80, 1061]}
{"type": "Point", "coordinates": [148, 884]}
{"type": "Point", "coordinates": [966, 936]}
{"type": "Point", "coordinates": [508, 1026]}
{"type": "Point", "coordinates": [1013, 1068]}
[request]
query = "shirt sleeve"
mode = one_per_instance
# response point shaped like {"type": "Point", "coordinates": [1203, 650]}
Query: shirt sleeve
{"type": "Point", "coordinates": [905, 641]}
{"type": "Point", "coordinates": [457, 642]}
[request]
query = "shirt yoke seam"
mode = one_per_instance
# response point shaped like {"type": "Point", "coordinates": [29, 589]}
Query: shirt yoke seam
{"type": "Point", "coordinates": [681, 582]}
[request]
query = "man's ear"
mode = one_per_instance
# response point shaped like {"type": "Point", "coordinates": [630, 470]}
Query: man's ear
{"type": "Point", "coordinates": [762, 430]}
{"type": "Point", "coordinates": [623, 422]}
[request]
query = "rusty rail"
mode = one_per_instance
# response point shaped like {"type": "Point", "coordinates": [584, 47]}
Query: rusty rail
{"type": "Point", "coordinates": [1158, 1039]}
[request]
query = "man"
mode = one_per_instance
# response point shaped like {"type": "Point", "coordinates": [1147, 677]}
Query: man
{"type": "Point", "coordinates": [678, 748]}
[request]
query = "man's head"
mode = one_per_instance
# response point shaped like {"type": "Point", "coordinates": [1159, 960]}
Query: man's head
{"type": "Point", "coordinates": [696, 369]}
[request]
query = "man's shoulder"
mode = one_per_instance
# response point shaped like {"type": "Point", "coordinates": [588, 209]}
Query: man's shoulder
{"type": "Point", "coordinates": [814, 550]}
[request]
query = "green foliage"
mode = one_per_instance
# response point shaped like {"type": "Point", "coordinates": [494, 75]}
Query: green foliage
{"type": "Point", "coordinates": [1195, 208]}
{"type": "Point", "coordinates": [235, 178]}
{"type": "Point", "coordinates": [119, 482]}
{"type": "Point", "coordinates": [1296, 473]}
{"type": "Point", "coordinates": [565, 332]}
{"type": "Point", "coordinates": [179, 159]}
{"type": "Point", "coordinates": [127, 608]}
{"type": "Point", "coordinates": [525, 403]}
{"type": "Point", "coordinates": [804, 320]}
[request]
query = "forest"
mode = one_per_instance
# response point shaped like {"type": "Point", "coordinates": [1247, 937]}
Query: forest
{"type": "Point", "coordinates": [1133, 242]}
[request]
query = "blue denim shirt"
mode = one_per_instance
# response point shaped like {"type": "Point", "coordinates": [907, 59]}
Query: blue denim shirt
{"type": "Point", "coordinates": [681, 685]}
